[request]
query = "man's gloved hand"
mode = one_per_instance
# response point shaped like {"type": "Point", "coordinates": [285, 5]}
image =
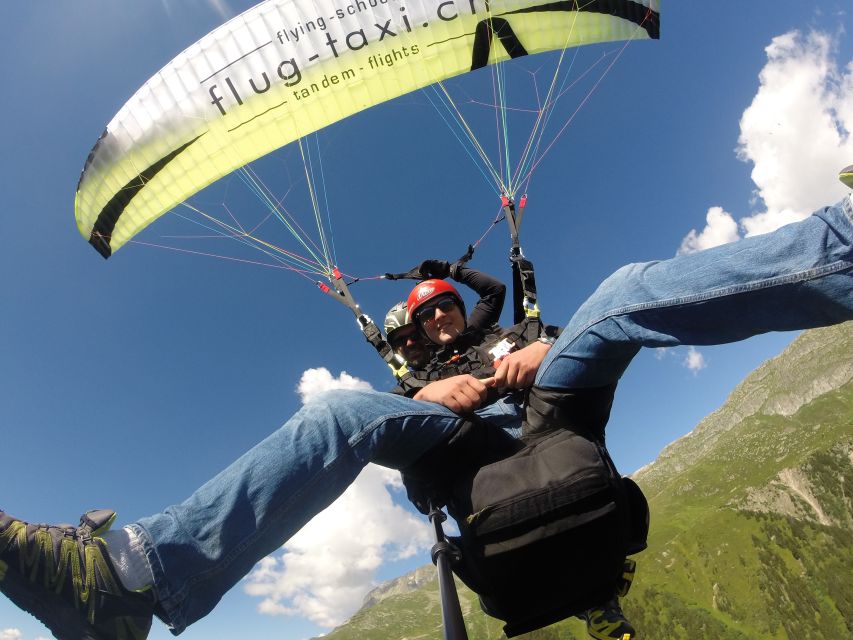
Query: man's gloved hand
{"type": "Point", "coordinates": [438, 269]}
{"type": "Point", "coordinates": [456, 266]}
{"type": "Point", "coordinates": [421, 492]}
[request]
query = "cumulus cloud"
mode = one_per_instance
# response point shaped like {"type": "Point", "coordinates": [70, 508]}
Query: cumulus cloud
{"type": "Point", "coordinates": [721, 228]}
{"type": "Point", "coordinates": [11, 634]}
{"type": "Point", "coordinates": [325, 570]}
{"type": "Point", "coordinates": [795, 133]}
{"type": "Point", "coordinates": [797, 130]}
{"type": "Point", "coordinates": [694, 360]}
{"type": "Point", "coordinates": [315, 381]}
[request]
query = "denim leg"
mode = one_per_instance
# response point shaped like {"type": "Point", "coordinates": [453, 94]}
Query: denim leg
{"type": "Point", "coordinates": [201, 548]}
{"type": "Point", "coordinates": [796, 277]}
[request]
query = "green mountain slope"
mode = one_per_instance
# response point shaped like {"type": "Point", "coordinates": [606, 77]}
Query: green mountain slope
{"type": "Point", "coordinates": [752, 520]}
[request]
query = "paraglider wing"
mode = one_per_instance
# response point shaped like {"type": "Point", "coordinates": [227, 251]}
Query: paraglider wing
{"type": "Point", "coordinates": [287, 68]}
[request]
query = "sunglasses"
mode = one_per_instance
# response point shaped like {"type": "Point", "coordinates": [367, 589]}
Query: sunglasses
{"type": "Point", "coordinates": [427, 314]}
{"type": "Point", "coordinates": [402, 336]}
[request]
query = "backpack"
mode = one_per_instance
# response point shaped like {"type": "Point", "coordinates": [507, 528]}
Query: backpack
{"type": "Point", "coordinates": [545, 522]}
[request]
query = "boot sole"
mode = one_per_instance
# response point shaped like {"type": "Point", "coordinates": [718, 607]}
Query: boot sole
{"type": "Point", "coordinates": [63, 620]}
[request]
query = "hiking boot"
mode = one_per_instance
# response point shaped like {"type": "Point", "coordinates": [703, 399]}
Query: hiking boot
{"type": "Point", "coordinates": [607, 622]}
{"type": "Point", "coordinates": [623, 584]}
{"type": "Point", "coordinates": [846, 176]}
{"type": "Point", "coordinates": [63, 576]}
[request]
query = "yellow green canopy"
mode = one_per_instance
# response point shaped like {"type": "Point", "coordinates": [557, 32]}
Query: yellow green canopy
{"type": "Point", "coordinates": [286, 68]}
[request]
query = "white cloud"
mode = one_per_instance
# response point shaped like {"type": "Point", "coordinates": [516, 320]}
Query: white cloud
{"type": "Point", "coordinates": [11, 634]}
{"type": "Point", "coordinates": [325, 570]}
{"type": "Point", "coordinates": [796, 133]}
{"type": "Point", "coordinates": [316, 381]}
{"type": "Point", "coordinates": [721, 228]}
{"type": "Point", "coordinates": [797, 130]}
{"type": "Point", "coordinates": [694, 360]}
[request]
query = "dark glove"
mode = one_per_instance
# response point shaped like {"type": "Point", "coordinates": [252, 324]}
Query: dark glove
{"type": "Point", "coordinates": [422, 493]}
{"type": "Point", "coordinates": [456, 266]}
{"type": "Point", "coordinates": [438, 269]}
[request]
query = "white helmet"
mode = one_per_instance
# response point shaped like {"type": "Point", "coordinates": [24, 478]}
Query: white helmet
{"type": "Point", "coordinates": [396, 318]}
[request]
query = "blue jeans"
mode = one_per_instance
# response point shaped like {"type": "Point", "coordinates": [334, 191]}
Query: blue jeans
{"type": "Point", "coordinates": [798, 277]}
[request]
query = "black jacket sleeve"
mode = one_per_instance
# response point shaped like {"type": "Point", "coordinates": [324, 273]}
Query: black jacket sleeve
{"type": "Point", "coordinates": [492, 293]}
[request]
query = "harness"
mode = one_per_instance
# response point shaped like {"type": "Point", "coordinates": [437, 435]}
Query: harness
{"type": "Point", "coordinates": [406, 377]}
{"type": "Point", "coordinates": [524, 299]}
{"type": "Point", "coordinates": [552, 499]}
{"type": "Point", "coordinates": [546, 521]}
{"type": "Point", "coordinates": [477, 359]}
{"type": "Point", "coordinates": [371, 332]}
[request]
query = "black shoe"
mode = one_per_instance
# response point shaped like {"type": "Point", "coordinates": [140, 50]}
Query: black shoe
{"type": "Point", "coordinates": [607, 622]}
{"type": "Point", "coordinates": [623, 585]}
{"type": "Point", "coordinates": [64, 577]}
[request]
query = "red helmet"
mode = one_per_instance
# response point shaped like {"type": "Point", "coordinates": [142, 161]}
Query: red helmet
{"type": "Point", "coordinates": [428, 290]}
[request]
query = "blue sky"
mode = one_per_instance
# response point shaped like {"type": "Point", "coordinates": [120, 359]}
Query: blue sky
{"type": "Point", "coordinates": [130, 382]}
